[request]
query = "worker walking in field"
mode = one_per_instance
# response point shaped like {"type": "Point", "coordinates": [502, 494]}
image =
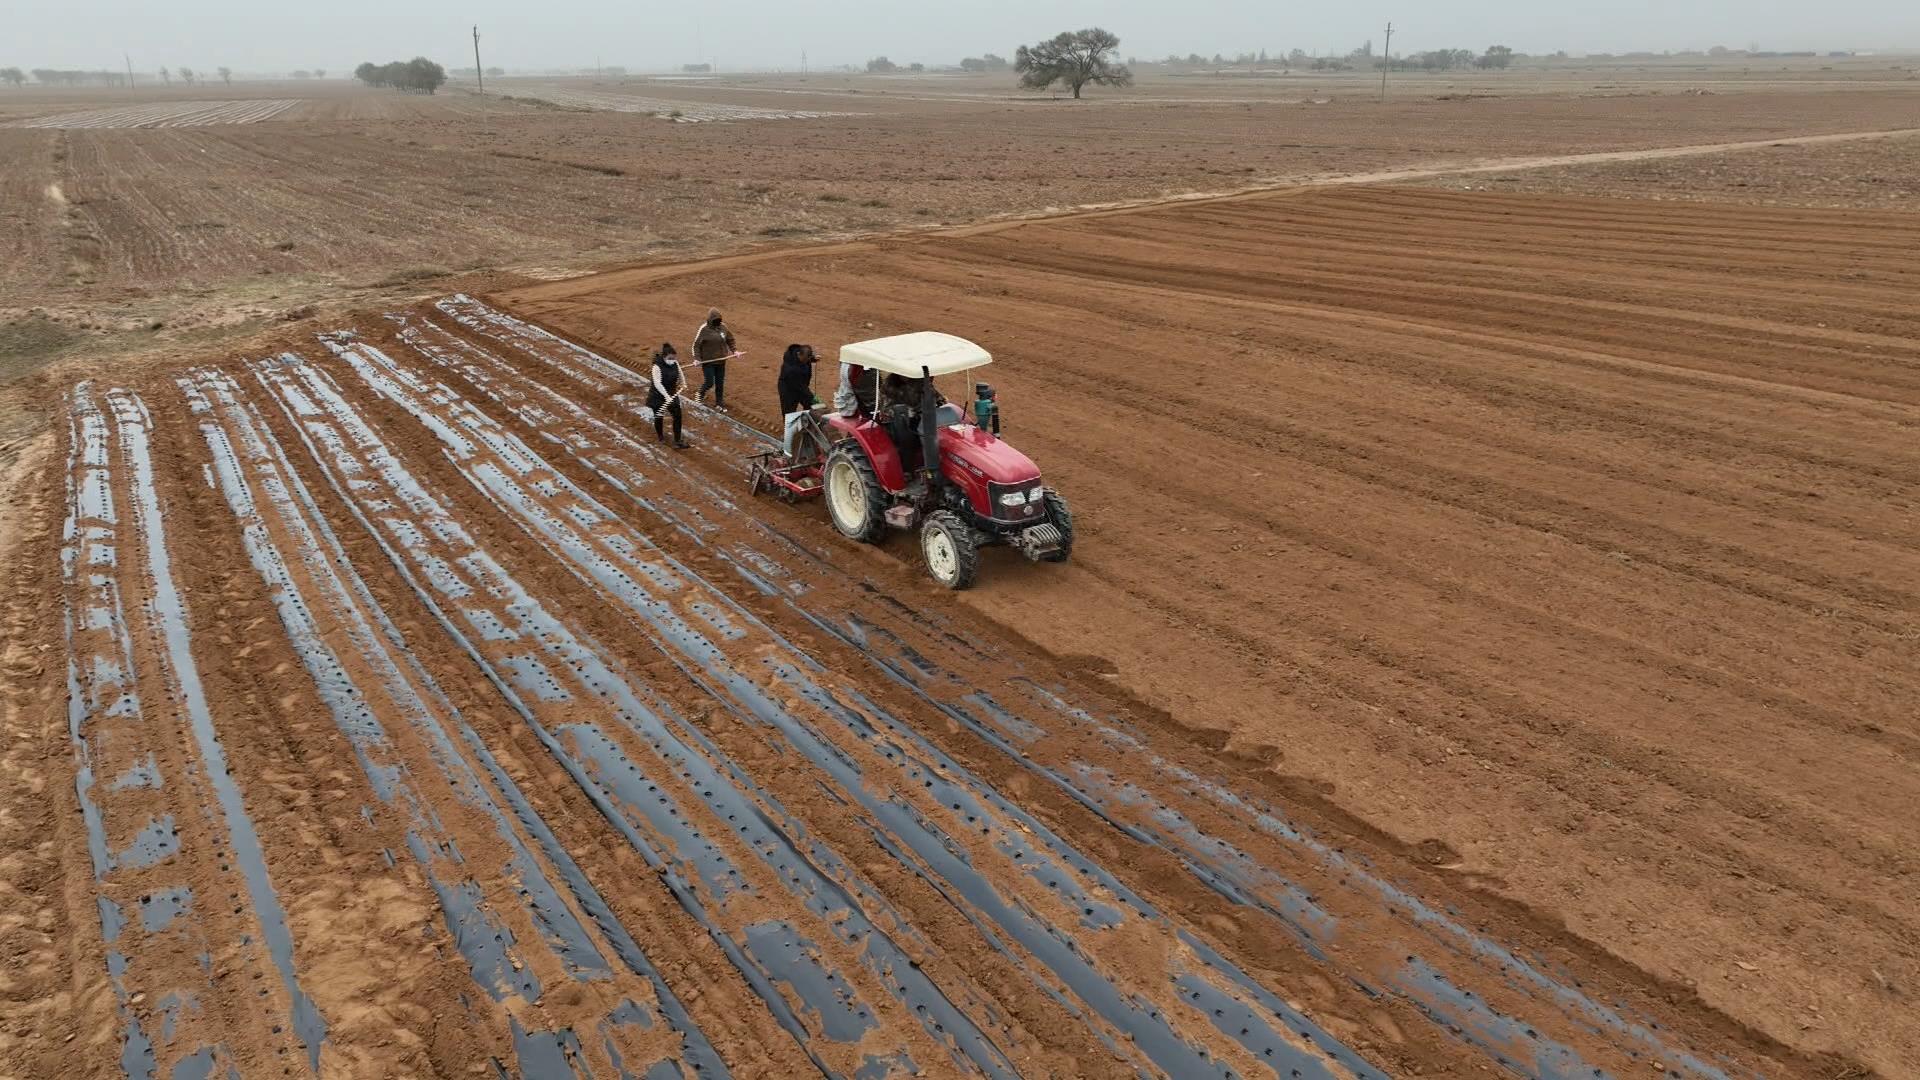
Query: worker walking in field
{"type": "Point", "coordinates": [796, 389]}
{"type": "Point", "coordinates": [712, 348]}
{"type": "Point", "coordinates": [664, 395]}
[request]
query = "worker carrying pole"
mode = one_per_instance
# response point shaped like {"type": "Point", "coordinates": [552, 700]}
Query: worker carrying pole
{"type": "Point", "coordinates": [712, 347]}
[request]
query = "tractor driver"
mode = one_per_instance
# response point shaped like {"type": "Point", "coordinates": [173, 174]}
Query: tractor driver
{"type": "Point", "coordinates": [899, 399]}
{"type": "Point", "coordinates": [903, 402]}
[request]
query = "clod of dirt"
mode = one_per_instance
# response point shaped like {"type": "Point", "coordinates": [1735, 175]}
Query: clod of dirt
{"type": "Point", "coordinates": [1435, 852]}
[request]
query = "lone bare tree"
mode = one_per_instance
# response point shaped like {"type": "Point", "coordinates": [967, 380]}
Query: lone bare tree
{"type": "Point", "coordinates": [166, 76]}
{"type": "Point", "coordinates": [186, 75]}
{"type": "Point", "coordinates": [226, 75]}
{"type": "Point", "coordinates": [1072, 60]}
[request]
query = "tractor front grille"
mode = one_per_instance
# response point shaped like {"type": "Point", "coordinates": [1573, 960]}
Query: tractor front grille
{"type": "Point", "coordinates": [1041, 540]}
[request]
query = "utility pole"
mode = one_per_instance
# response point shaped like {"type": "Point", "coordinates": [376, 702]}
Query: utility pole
{"type": "Point", "coordinates": [128, 57]}
{"type": "Point", "coordinates": [1386, 62]}
{"type": "Point", "coordinates": [479, 75]}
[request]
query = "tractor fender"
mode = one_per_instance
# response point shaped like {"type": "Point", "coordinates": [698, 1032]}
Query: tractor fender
{"type": "Point", "coordinates": [877, 445]}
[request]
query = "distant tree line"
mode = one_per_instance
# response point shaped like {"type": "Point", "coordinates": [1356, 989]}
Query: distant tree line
{"type": "Point", "coordinates": [1497, 57]}
{"type": "Point", "coordinates": [418, 75]}
{"type": "Point", "coordinates": [52, 77]}
{"type": "Point", "coordinates": [1088, 58]}
{"type": "Point", "coordinates": [49, 77]}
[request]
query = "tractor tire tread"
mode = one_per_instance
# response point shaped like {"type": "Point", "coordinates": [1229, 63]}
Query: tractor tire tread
{"type": "Point", "coordinates": [1062, 517]}
{"type": "Point", "coordinates": [875, 528]}
{"type": "Point", "coordinates": [966, 547]}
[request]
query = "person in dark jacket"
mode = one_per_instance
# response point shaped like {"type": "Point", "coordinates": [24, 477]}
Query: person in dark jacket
{"type": "Point", "coordinates": [796, 389]}
{"type": "Point", "coordinates": [796, 379]}
{"type": "Point", "coordinates": [664, 395]}
{"type": "Point", "coordinates": [712, 347]}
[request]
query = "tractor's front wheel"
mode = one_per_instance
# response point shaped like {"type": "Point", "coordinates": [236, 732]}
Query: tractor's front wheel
{"type": "Point", "coordinates": [1062, 518]}
{"type": "Point", "coordinates": [951, 549]}
{"type": "Point", "coordinates": [855, 500]}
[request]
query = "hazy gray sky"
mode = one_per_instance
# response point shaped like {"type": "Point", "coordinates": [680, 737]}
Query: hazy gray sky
{"type": "Point", "coordinates": [335, 34]}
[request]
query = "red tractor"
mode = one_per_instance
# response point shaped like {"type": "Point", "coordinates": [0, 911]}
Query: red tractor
{"type": "Point", "coordinates": [899, 456]}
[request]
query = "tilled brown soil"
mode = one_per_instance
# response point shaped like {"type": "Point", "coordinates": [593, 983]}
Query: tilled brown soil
{"type": "Point", "coordinates": [1567, 542]}
{"type": "Point", "coordinates": [416, 718]}
{"type": "Point", "coordinates": [358, 185]}
{"type": "Point", "coordinates": [1875, 174]}
{"type": "Point", "coordinates": [1457, 672]}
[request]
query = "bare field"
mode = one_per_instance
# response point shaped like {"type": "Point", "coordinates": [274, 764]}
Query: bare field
{"type": "Point", "coordinates": [358, 185]}
{"type": "Point", "coordinates": [1876, 175]}
{"type": "Point", "coordinates": [171, 114]}
{"type": "Point", "coordinates": [1489, 647]}
{"type": "Point", "coordinates": [1569, 539]}
{"type": "Point", "coordinates": [403, 681]}
{"type": "Point", "coordinates": [680, 111]}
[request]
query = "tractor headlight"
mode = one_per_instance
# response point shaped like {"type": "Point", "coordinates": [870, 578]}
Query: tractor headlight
{"type": "Point", "coordinates": [1014, 498]}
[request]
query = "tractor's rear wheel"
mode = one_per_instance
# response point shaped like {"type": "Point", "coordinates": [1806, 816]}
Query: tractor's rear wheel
{"type": "Point", "coordinates": [951, 548]}
{"type": "Point", "coordinates": [855, 500]}
{"type": "Point", "coordinates": [1062, 518]}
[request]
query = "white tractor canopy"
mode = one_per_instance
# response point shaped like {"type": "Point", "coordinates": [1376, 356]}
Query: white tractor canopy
{"type": "Point", "coordinates": [927, 352]}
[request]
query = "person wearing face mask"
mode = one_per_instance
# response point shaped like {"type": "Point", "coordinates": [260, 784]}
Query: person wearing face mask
{"type": "Point", "coordinates": [663, 397]}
